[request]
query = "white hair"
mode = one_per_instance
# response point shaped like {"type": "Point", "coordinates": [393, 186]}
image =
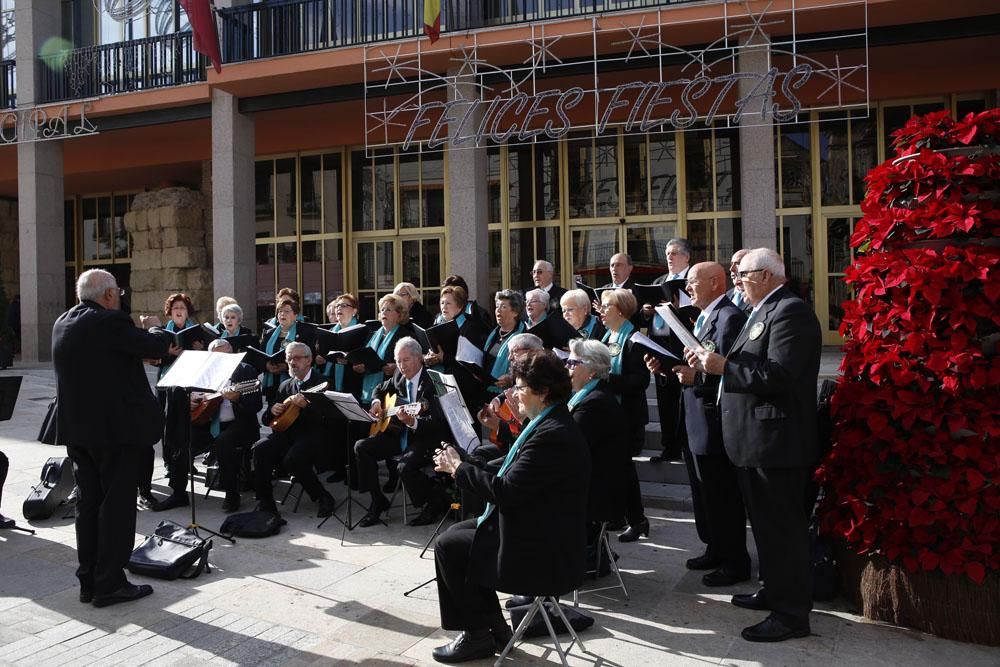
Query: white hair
{"type": "Point", "coordinates": [766, 259]}
{"type": "Point", "coordinates": [594, 354]}
{"type": "Point", "coordinates": [217, 343]}
{"type": "Point", "coordinates": [576, 297]}
{"type": "Point", "coordinates": [92, 284]}
{"type": "Point", "coordinates": [545, 265]}
{"type": "Point", "coordinates": [541, 294]}
{"type": "Point", "coordinates": [524, 341]}
{"type": "Point", "coordinates": [297, 345]}
{"type": "Point", "coordinates": [410, 344]}
{"type": "Point", "coordinates": [232, 308]}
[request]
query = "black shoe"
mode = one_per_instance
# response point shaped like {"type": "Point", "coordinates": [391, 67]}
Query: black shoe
{"type": "Point", "coordinates": [772, 629]}
{"type": "Point", "coordinates": [632, 533]}
{"type": "Point", "coordinates": [724, 577]}
{"type": "Point", "coordinates": [146, 499]}
{"type": "Point", "coordinates": [430, 514]}
{"type": "Point", "coordinates": [467, 646]}
{"type": "Point", "coordinates": [703, 562]}
{"type": "Point", "coordinates": [519, 601]}
{"type": "Point", "coordinates": [231, 503]}
{"type": "Point", "coordinates": [374, 515]}
{"type": "Point", "coordinates": [325, 505]}
{"type": "Point", "coordinates": [502, 634]}
{"type": "Point", "coordinates": [126, 593]}
{"type": "Point", "coordinates": [335, 476]}
{"type": "Point", "coordinates": [86, 595]}
{"type": "Point", "coordinates": [756, 601]}
{"type": "Point", "coordinates": [6, 523]}
{"type": "Point", "coordinates": [390, 484]}
{"type": "Point", "coordinates": [176, 499]}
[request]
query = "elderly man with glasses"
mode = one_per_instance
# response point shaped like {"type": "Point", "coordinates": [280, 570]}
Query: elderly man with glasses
{"type": "Point", "coordinates": [542, 275]}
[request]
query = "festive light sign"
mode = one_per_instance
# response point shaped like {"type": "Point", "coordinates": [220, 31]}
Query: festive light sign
{"type": "Point", "coordinates": [45, 124]}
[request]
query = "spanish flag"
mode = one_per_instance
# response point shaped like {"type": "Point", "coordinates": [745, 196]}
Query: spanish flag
{"type": "Point", "coordinates": [432, 19]}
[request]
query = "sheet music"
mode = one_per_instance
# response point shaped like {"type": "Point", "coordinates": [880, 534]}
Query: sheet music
{"type": "Point", "coordinates": [450, 385]}
{"type": "Point", "coordinates": [644, 340]}
{"type": "Point", "coordinates": [468, 352]}
{"type": "Point", "coordinates": [679, 330]}
{"type": "Point", "coordinates": [459, 420]}
{"type": "Point", "coordinates": [349, 406]}
{"type": "Point", "coordinates": [562, 354]}
{"type": "Point", "coordinates": [197, 369]}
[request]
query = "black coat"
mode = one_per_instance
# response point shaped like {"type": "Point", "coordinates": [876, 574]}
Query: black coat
{"type": "Point", "coordinates": [631, 385]}
{"type": "Point", "coordinates": [600, 417]}
{"type": "Point", "coordinates": [247, 406]}
{"type": "Point", "coordinates": [533, 542]}
{"type": "Point", "coordinates": [102, 391]}
{"type": "Point", "coordinates": [420, 316]}
{"type": "Point", "coordinates": [701, 419]}
{"type": "Point", "coordinates": [769, 386]}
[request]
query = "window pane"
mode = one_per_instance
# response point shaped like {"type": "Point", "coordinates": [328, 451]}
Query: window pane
{"type": "Point", "coordinates": [366, 266]}
{"type": "Point", "coordinates": [663, 172]}
{"type": "Point", "coordinates": [411, 262]}
{"type": "Point", "coordinates": [265, 283]}
{"type": "Point", "coordinates": [522, 257]}
{"type": "Point", "coordinates": [893, 119]}
{"type": "Point", "coordinates": [606, 174]}
{"type": "Point", "coordinates": [592, 251]}
{"type": "Point", "coordinates": [69, 236]}
{"type": "Point", "coordinates": [385, 186]}
{"type": "Point", "coordinates": [432, 189]}
{"type": "Point", "coordinates": [361, 192]}
{"type": "Point", "coordinates": [332, 197]}
{"type": "Point", "coordinates": [263, 198]}
{"type": "Point", "coordinates": [121, 206]}
{"type": "Point", "coordinates": [519, 183]}
{"type": "Point", "coordinates": [581, 184]}
{"type": "Point", "coordinates": [834, 165]}
{"type": "Point", "coordinates": [798, 255]}
{"type": "Point", "coordinates": [333, 268]}
{"type": "Point", "coordinates": [636, 175]}
{"type": "Point", "coordinates": [730, 238]}
{"type": "Point", "coordinates": [161, 17]}
{"type": "Point", "coordinates": [863, 154]}
{"type": "Point", "coordinates": [796, 168]}
{"type": "Point", "coordinates": [839, 293]}
{"type": "Point", "coordinates": [495, 252]}
{"type": "Point", "coordinates": [698, 169]}
{"type": "Point", "coordinates": [384, 278]}
{"type": "Point", "coordinates": [963, 107]}
{"type": "Point", "coordinates": [493, 180]}
{"type": "Point", "coordinates": [105, 236]}
{"type": "Point", "coordinates": [409, 190]}
{"type": "Point", "coordinates": [838, 254]}
{"type": "Point", "coordinates": [727, 169]}
{"type": "Point", "coordinates": [547, 182]}
{"type": "Point", "coordinates": [312, 280]}
{"type": "Point", "coordinates": [647, 246]}
{"type": "Point", "coordinates": [431, 278]}
{"type": "Point", "coordinates": [701, 235]}
{"type": "Point", "coordinates": [284, 196]}
{"type": "Point", "coordinates": [88, 216]}
{"type": "Point", "coordinates": [311, 167]}
{"type": "Point", "coordinates": [287, 269]}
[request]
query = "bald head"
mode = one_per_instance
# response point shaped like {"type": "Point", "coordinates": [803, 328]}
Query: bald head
{"type": "Point", "coordinates": [706, 282]}
{"type": "Point", "coordinates": [621, 268]}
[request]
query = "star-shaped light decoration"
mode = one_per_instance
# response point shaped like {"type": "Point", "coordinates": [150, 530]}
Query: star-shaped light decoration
{"type": "Point", "coordinates": [541, 51]}
{"type": "Point", "coordinates": [393, 66]}
{"type": "Point", "coordinates": [637, 40]}
{"type": "Point", "coordinates": [756, 25]}
{"type": "Point", "coordinates": [839, 75]}
{"type": "Point", "coordinates": [470, 61]}
{"type": "Point", "coordinates": [384, 119]}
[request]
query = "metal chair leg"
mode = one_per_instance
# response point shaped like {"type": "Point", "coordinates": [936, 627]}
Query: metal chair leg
{"type": "Point", "coordinates": [572, 631]}
{"type": "Point", "coordinates": [519, 631]}
{"type": "Point", "coordinates": [552, 631]}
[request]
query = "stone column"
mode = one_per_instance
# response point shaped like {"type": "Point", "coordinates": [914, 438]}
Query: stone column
{"type": "Point", "coordinates": [234, 267]}
{"type": "Point", "coordinates": [9, 270]}
{"type": "Point", "coordinates": [39, 193]}
{"type": "Point", "coordinates": [757, 176]}
{"type": "Point", "coordinates": [468, 206]}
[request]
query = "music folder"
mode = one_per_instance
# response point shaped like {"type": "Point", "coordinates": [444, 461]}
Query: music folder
{"type": "Point", "coordinates": [184, 338]}
{"type": "Point", "coordinates": [340, 343]}
{"type": "Point", "coordinates": [555, 332]}
{"type": "Point", "coordinates": [204, 371]}
{"type": "Point", "coordinates": [348, 406]}
{"type": "Point", "coordinates": [367, 356]}
{"type": "Point", "coordinates": [670, 316]}
{"type": "Point", "coordinates": [259, 359]}
{"type": "Point", "coordinates": [480, 374]}
{"type": "Point", "coordinates": [591, 294]}
{"type": "Point", "coordinates": [10, 386]}
{"type": "Point", "coordinates": [652, 294]}
{"type": "Point", "coordinates": [666, 357]}
{"type": "Point", "coordinates": [444, 336]}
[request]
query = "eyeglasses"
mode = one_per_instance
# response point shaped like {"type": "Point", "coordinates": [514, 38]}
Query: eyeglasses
{"type": "Point", "coordinates": [293, 357]}
{"type": "Point", "coordinates": [521, 388]}
{"type": "Point", "coordinates": [534, 271]}
{"type": "Point", "coordinates": [744, 274]}
{"type": "Point", "coordinates": [120, 290]}
{"type": "Point", "coordinates": [605, 307]}
{"type": "Point", "coordinates": [573, 363]}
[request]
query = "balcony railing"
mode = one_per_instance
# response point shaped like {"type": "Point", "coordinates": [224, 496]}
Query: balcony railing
{"type": "Point", "coordinates": [262, 30]}
{"type": "Point", "coordinates": [8, 85]}
{"type": "Point", "coordinates": [140, 64]}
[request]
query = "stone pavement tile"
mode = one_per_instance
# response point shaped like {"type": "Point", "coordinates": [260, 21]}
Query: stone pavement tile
{"type": "Point", "coordinates": [391, 630]}
{"type": "Point", "coordinates": [283, 605]}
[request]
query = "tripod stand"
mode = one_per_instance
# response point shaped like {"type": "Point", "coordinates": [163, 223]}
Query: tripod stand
{"type": "Point", "coordinates": [194, 525]}
{"type": "Point", "coordinates": [352, 412]}
{"type": "Point", "coordinates": [455, 512]}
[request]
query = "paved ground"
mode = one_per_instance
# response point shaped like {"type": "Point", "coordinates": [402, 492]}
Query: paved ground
{"type": "Point", "coordinates": [303, 598]}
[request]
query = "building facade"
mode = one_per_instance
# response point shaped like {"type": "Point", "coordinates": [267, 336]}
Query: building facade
{"type": "Point", "coordinates": [307, 163]}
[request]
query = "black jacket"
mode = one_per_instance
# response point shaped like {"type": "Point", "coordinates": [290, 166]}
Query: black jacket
{"type": "Point", "coordinates": [631, 385]}
{"type": "Point", "coordinates": [533, 542]}
{"type": "Point", "coordinates": [429, 422]}
{"type": "Point", "coordinates": [103, 395]}
{"type": "Point", "coordinates": [247, 406]}
{"type": "Point", "coordinates": [420, 316]}
{"type": "Point", "coordinates": [314, 415]}
{"type": "Point", "coordinates": [600, 418]}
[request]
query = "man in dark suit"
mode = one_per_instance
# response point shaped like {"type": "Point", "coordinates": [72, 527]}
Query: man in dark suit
{"type": "Point", "coordinates": [530, 538]}
{"type": "Point", "coordinates": [621, 277]}
{"type": "Point", "coordinates": [542, 275]}
{"type": "Point", "coordinates": [768, 404]}
{"type": "Point", "coordinates": [735, 293]}
{"type": "Point", "coordinates": [232, 429]}
{"type": "Point", "coordinates": [107, 415]}
{"type": "Point", "coordinates": [301, 445]}
{"type": "Point", "coordinates": [713, 477]}
{"type": "Point", "coordinates": [413, 437]}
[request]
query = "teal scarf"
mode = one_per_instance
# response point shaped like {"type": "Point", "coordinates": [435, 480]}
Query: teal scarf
{"type": "Point", "coordinates": [511, 454]}
{"type": "Point", "coordinates": [271, 348]}
{"type": "Point", "coordinates": [338, 369]}
{"type": "Point", "coordinates": [588, 329]}
{"type": "Point", "coordinates": [582, 394]}
{"type": "Point", "coordinates": [620, 339]}
{"type": "Point", "coordinates": [378, 342]}
{"type": "Point", "coordinates": [502, 363]}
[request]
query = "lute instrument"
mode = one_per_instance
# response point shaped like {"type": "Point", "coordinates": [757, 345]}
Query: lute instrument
{"type": "Point", "coordinates": [205, 409]}
{"type": "Point", "coordinates": [285, 420]}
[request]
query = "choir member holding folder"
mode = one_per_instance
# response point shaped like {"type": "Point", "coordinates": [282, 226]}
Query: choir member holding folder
{"type": "Point", "coordinates": [496, 359]}
{"type": "Point", "coordinates": [444, 342]}
{"type": "Point", "coordinates": [273, 342]}
{"type": "Point", "coordinates": [231, 328]}
{"type": "Point", "coordinates": [374, 362]}
{"type": "Point", "coordinates": [576, 311]}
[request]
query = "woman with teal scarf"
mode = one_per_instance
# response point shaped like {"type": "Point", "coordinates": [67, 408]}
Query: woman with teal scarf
{"type": "Point", "coordinates": [343, 312]}
{"type": "Point", "coordinates": [452, 303]}
{"type": "Point", "coordinates": [392, 314]}
{"type": "Point", "coordinates": [576, 311]}
{"type": "Point", "coordinates": [536, 304]}
{"type": "Point", "coordinates": [509, 317]}
{"type": "Point", "coordinates": [628, 379]}
{"type": "Point", "coordinates": [273, 340]}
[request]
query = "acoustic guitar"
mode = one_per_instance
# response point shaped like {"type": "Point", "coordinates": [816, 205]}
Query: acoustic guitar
{"type": "Point", "coordinates": [285, 420]}
{"type": "Point", "coordinates": [206, 408]}
{"type": "Point", "coordinates": [506, 416]}
{"type": "Point", "coordinates": [390, 410]}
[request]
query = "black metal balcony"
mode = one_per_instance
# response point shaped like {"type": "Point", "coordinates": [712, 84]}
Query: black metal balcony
{"type": "Point", "coordinates": [8, 85]}
{"type": "Point", "coordinates": [122, 67]}
{"type": "Point", "coordinates": [262, 30]}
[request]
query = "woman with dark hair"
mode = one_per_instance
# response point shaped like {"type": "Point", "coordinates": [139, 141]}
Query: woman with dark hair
{"type": "Point", "coordinates": [530, 538]}
{"type": "Point", "coordinates": [628, 379]}
{"type": "Point", "coordinates": [472, 307]}
{"type": "Point", "coordinates": [510, 322]}
{"type": "Point", "coordinates": [452, 303]}
{"type": "Point", "coordinates": [286, 315]}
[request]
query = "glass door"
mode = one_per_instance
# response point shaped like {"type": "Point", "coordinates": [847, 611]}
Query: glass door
{"type": "Point", "coordinates": [839, 255]}
{"type": "Point", "coordinates": [417, 260]}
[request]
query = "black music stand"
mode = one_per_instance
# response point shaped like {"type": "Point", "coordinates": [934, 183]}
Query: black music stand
{"type": "Point", "coordinates": [10, 387]}
{"type": "Point", "coordinates": [196, 370]}
{"type": "Point", "coordinates": [352, 412]}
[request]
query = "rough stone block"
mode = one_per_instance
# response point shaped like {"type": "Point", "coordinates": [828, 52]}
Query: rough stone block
{"type": "Point", "coordinates": [136, 221]}
{"type": "Point", "coordinates": [147, 260]}
{"type": "Point", "coordinates": [183, 236]}
{"type": "Point", "coordinates": [184, 257]}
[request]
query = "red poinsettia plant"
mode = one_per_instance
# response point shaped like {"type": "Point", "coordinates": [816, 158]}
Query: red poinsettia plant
{"type": "Point", "coordinates": [914, 471]}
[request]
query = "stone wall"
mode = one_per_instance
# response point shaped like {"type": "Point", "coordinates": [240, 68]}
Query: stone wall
{"type": "Point", "coordinates": [171, 250]}
{"type": "Point", "coordinates": [9, 259]}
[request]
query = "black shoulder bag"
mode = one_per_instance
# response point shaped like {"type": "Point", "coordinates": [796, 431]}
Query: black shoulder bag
{"type": "Point", "coordinates": [172, 551]}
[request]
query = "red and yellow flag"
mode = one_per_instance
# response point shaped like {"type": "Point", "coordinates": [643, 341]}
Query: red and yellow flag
{"type": "Point", "coordinates": [432, 19]}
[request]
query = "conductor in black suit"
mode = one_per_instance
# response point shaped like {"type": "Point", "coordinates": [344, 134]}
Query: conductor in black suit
{"type": "Point", "coordinates": [530, 538]}
{"type": "Point", "coordinates": [107, 416]}
{"type": "Point", "coordinates": [768, 404]}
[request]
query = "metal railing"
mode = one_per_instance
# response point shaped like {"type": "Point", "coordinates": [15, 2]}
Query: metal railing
{"type": "Point", "coordinates": [8, 84]}
{"type": "Point", "coordinates": [262, 30]}
{"type": "Point", "coordinates": [139, 64]}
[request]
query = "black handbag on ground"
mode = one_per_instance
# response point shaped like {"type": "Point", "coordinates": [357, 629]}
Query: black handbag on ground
{"type": "Point", "coordinates": [536, 628]}
{"type": "Point", "coordinates": [48, 434]}
{"type": "Point", "coordinates": [54, 489]}
{"type": "Point", "coordinates": [252, 524]}
{"type": "Point", "coordinates": [172, 551]}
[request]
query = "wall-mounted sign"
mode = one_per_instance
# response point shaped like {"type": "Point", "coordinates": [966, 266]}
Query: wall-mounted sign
{"type": "Point", "coordinates": [45, 124]}
{"type": "Point", "coordinates": [623, 73]}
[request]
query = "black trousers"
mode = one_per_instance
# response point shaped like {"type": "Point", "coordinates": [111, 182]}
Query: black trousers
{"type": "Point", "coordinates": [634, 511]}
{"type": "Point", "coordinates": [369, 451]}
{"type": "Point", "coordinates": [464, 604]}
{"type": "Point", "coordinates": [297, 449]}
{"type": "Point", "coordinates": [4, 467]}
{"type": "Point", "coordinates": [774, 497]}
{"type": "Point", "coordinates": [668, 407]}
{"type": "Point", "coordinates": [105, 513]}
{"type": "Point", "coordinates": [723, 510]}
{"type": "Point", "coordinates": [231, 448]}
